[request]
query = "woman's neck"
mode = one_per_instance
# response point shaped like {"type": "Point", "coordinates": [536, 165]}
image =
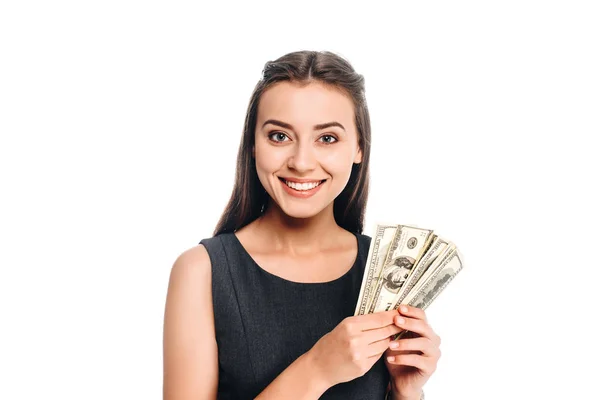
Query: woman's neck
{"type": "Point", "coordinates": [298, 235]}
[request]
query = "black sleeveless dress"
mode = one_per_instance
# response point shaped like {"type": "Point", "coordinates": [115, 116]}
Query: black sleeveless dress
{"type": "Point", "coordinates": [263, 322]}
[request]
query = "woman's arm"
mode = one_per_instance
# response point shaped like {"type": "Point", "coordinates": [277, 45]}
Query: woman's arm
{"type": "Point", "coordinates": [190, 358]}
{"type": "Point", "coordinates": [299, 380]}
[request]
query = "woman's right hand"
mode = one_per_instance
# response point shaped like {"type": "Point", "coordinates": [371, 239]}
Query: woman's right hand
{"type": "Point", "coordinates": [353, 346]}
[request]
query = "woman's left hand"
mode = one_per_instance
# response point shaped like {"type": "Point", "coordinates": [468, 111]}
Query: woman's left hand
{"type": "Point", "coordinates": [414, 356]}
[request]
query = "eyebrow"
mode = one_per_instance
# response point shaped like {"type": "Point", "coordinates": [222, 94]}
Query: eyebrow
{"type": "Point", "coordinates": [316, 127]}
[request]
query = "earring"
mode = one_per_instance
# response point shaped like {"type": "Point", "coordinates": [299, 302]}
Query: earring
{"type": "Point", "coordinates": [266, 197]}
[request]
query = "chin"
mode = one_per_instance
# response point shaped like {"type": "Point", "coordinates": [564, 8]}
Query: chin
{"type": "Point", "coordinates": [302, 212]}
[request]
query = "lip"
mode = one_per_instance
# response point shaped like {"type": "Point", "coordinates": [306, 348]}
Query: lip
{"type": "Point", "coordinates": [298, 180]}
{"type": "Point", "coordinates": [301, 194]}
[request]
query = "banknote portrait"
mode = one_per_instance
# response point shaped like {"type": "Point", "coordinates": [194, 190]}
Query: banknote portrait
{"type": "Point", "coordinates": [396, 272]}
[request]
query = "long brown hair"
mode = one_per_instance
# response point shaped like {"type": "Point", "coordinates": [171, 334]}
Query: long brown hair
{"type": "Point", "coordinates": [249, 198]}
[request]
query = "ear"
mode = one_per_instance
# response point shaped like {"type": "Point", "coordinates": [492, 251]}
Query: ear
{"type": "Point", "coordinates": [253, 152]}
{"type": "Point", "coordinates": [358, 158]}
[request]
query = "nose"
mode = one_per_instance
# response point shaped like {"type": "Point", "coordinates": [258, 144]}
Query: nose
{"type": "Point", "coordinates": [303, 158]}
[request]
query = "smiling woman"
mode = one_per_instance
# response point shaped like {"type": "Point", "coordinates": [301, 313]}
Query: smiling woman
{"type": "Point", "coordinates": [264, 308]}
{"type": "Point", "coordinates": [301, 160]}
{"type": "Point", "coordinates": [303, 96]}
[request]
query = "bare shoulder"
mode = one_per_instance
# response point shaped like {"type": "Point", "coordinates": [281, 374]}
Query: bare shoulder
{"type": "Point", "coordinates": [194, 261]}
{"type": "Point", "coordinates": [189, 343]}
{"type": "Point", "coordinates": [190, 281]}
{"type": "Point", "coordinates": [189, 288]}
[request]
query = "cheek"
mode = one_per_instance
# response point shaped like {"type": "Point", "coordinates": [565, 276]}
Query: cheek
{"type": "Point", "coordinates": [338, 164]}
{"type": "Point", "coordinates": [268, 160]}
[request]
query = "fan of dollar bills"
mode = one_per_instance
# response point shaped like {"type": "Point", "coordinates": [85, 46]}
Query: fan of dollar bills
{"type": "Point", "coordinates": [406, 265]}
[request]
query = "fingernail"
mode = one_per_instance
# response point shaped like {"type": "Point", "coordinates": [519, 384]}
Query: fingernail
{"type": "Point", "coordinates": [403, 309]}
{"type": "Point", "coordinates": [394, 345]}
{"type": "Point", "coordinates": [400, 320]}
{"type": "Point", "coordinates": [391, 358]}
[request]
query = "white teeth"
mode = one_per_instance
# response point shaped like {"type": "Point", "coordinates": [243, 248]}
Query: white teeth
{"type": "Point", "coordinates": [303, 186]}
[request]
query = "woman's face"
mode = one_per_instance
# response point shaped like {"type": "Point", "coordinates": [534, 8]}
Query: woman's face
{"type": "Point", "coordinates": [304, 166]}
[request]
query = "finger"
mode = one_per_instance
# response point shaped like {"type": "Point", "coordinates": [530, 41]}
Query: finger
{"type": "Point", "coordinates": [376, 349]}
{"type": "Point", "coordinates": [411, 360]}
{"type": "Point", "coordinates": [412, 312]}
{"type": "Point", "coordinates": [418, 326]}
{"type": "Point", "coordinates": [375, 335]}
{"type": "Point", "coordinates": [375, 320]}
{"type": "Point", "coordinates": [423, 345]}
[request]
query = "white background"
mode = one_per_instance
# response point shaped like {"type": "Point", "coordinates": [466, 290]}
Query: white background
{"type": "Point", "coordinates": [120, 122]}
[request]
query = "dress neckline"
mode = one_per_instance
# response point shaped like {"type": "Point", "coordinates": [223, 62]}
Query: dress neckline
{"type": "Point", "coordinates": [343, 277]}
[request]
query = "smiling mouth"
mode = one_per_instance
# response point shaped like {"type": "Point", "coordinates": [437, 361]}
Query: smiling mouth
{"type": "Point", "coordinates": [302, 187]}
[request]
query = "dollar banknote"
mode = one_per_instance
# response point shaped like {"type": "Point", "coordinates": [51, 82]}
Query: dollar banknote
{"type": "Point", "coordinates": [431, 285]}
{"type": "Point", "coordinates": [406, 265]}
{"type": "Point", "coordinates": [434, 253]}
{"type": "Point", "coordinates": [423, 295]}
{"type": "Point", "coordinates": [408, 245]}
{"type": "Point", "coordinates": [380, 243]}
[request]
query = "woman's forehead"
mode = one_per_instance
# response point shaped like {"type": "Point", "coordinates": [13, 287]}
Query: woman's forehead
{"type": "Point", "coordinates": [305, 104]}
